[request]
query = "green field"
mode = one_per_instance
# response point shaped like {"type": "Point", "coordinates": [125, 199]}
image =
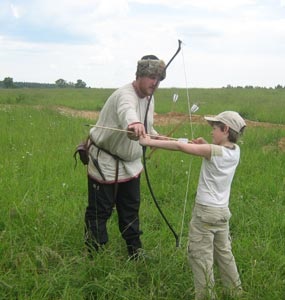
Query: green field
{"type": "Point", "coordinates": [258, 104]}
{"type": "Point", "coordinates": [43, 200]}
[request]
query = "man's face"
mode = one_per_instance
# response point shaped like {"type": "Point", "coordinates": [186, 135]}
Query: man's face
{"type": "Point", "coordinates": [147, 85]}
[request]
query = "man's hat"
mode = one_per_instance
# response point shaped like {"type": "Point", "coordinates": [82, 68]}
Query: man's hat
{"type": "Point", "coordinates": [150, 65]}
{"type": "Point", "coordinates": [229, 118]}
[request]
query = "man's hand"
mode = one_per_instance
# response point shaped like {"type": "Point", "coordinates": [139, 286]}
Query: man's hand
{"type": "Point", "coordinates": [137, 131]}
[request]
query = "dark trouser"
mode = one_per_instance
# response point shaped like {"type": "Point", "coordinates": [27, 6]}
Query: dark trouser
{"type": "Point", "coordinates": [101, 202]}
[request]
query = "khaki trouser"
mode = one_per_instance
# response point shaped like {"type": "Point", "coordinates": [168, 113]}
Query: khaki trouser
{"type": "Point", "coordinates": [209, 241]}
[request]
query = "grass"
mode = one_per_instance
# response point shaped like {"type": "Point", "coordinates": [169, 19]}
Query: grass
{"type": "Point", "coordinates": [43, 200]}
{"type": "Point", "coordinates": [83, 99]}
{"type": "Point", "coordinates": [258, 104]}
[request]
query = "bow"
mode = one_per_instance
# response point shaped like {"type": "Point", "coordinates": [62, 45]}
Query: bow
{"type": "Point", "coordinates": [144, 158]}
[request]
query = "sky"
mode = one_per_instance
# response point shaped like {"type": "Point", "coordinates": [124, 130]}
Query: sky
{"type": "Point", "coordinates": [224, 42]}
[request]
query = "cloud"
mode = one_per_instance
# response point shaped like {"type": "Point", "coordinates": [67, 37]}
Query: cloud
{"type": "Point", "coordinates": [15, 11]}
{"type": "Point", "coordinates": [217, 5]}
{"type": "Point", "coordinates": [100, 41]}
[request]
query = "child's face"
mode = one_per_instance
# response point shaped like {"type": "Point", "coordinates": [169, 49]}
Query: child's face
{"type": "Point", "coordinates": [219, 136]}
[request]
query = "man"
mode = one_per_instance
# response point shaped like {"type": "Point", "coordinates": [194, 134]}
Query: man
{"type": "Point", "coordinates": [115, 165]}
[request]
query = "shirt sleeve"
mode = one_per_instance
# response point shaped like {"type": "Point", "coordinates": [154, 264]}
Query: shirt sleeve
{"type": "Point", "coordinates": [127, 109]}
{"type": "Point", "coordinates": [216, 150]}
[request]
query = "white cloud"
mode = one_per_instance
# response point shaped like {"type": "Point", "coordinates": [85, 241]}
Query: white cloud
{"type": "Point", "coordinates": [217, 5]}
{"type": "Point", "coordinates": [15, 11]}
{"type": "Point", "coordinates": [225, 42]}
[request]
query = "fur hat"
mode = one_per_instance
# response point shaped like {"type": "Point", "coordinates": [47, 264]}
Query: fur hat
{"type": "Point", "coordinates": [150, 65]}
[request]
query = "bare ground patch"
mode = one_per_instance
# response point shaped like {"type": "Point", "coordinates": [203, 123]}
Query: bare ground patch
{"type": "Point", "coordinates": [174, 118]}
{"type": "Point", "coordinates": [77, 113]}
{"type": "Point", "coordinates": [281, 144]}
{"type": "Point", "coordinates": [160, 119]}
{"type": "Point", "coordinates": [171, 118]}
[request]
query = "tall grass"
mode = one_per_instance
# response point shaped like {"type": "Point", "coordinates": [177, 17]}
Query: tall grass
{"type": "Point", "coordinates": [258, 104]}
{"type": "Point", "coordinates": [255, 104]}
{"type": "Point", "coordinates": [74, 98]}
{"type": "Point", "coordinates": [43, 200]}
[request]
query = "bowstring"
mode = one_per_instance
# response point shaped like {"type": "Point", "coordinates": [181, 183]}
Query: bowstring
{"type": "Point", "coordinates": [191, 158]}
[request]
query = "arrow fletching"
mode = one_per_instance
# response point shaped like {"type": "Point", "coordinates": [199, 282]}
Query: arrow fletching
{"type": "Point", "coordinates": [194, 108]}
{"type": "Point", "coordinates": [175, 98]}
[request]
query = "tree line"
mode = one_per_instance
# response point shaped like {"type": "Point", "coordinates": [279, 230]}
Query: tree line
{"type": "Point", "coordinates": [61, 83]}
{"type": "Point", "coordinates": [9, 83]}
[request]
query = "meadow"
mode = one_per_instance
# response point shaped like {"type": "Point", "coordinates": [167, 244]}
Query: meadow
{"type": "Point", "coordinates": [43, 199]}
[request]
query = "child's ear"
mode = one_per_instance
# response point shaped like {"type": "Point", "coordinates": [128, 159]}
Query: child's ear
{"type": "Point", "coordinates": [226, 129]}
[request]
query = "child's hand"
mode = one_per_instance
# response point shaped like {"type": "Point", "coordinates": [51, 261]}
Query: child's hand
{"type": "Point", "coordinates": [143, 140]}
{"type": "Point", "coordinates": [199, 140]}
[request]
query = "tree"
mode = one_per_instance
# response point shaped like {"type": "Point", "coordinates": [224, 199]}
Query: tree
{"type": "Point", "coordinates": [80, 84]}
{"type": "Point", "coordinates": [71, 84]}
{"type": "Point", "coordinates": [8, 83]}
{"type": "Point", "coordinates": [61, 83]}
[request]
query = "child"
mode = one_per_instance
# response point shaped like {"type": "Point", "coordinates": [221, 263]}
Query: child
{"type": "Point", "coordinates": [209, 237]}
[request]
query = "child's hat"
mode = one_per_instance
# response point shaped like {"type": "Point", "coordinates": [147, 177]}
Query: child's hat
{"type": "Point", "coordinates": [229, 118]}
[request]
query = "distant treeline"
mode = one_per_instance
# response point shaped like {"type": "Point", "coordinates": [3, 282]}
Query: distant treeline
{"type": "Point", "coordinates": [9, 83]}
{"type": "Point", "coordinates": [61, 83]}
{"type": "Point", "coordinates": [30, 85]}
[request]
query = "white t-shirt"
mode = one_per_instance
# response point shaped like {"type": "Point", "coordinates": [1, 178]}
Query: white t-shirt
{"type": "Point", "coordinates": [122, 108]}
{"type": "Point", "coordinates": [216, 176]}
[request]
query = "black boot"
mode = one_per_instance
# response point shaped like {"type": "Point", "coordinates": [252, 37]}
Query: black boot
{"type": "Point", "coordinates": [134, 248]}
{"type": "Point", "coordinates": [91, 244]}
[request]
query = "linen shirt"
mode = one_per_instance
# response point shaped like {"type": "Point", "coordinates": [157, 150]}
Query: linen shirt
{"type": "Point", "coordinates": [122, 108]}
{"type": "Point", "coordinates": [216, 176]}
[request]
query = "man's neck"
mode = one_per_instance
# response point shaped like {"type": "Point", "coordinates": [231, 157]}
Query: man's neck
{"type": "Point", "coordinates": [137, 90]}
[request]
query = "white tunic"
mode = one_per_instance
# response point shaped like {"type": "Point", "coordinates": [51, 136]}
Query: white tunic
{"type": "Point", "coordinates": [122, 108]}
{"type": "Point", "coordinates": [216, 176]}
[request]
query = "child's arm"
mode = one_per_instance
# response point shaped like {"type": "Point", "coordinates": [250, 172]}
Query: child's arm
{"type": "Point", "coordinates": [199, 147]}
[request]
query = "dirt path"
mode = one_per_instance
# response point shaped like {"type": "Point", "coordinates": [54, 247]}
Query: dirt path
{"type": "Point", "coordinates": [173, 119]}
{"type": "Point", "coordinates": [160, 119]}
